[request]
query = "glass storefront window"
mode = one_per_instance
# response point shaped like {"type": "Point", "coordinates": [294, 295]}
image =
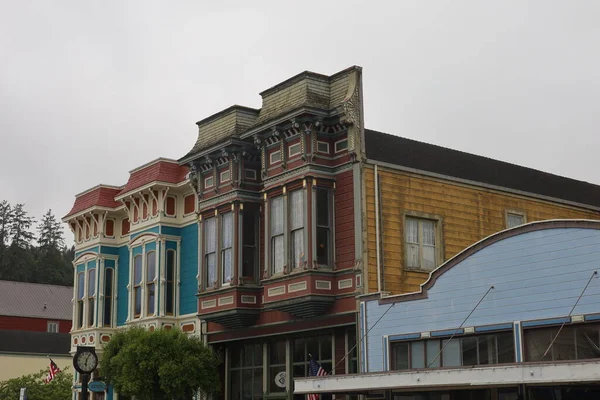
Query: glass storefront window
{"type": "Point", "coordinates": [246, 371]}
{"type": "Point", "coordinates": [575, 342]}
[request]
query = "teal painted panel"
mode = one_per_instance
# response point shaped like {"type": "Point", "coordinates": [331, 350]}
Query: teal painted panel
{"type": "Point", "coordinates": [171, 245]}
{"type": "Point", "coordinates": [109, 263]}
{"type": "Point", "coordinates": [123, 280]}
{"type": "Point", "coordinates": [536, 275]}
{"type": "Point", "coordinates": [189, 269]}
{"type": "Point", "coordinates": [137, 250]}
{"type": "Point", "coordinates": [90, 250]}
{"type": "Point", "coordinates": [150, 246]}
{"type": "Point", "coordinates": [80, 268]}
{"type": "Point", "coordinates": [169, 230]}
{"type": "Point", "coordinates": [91, 264]}
{"type": "Point", "coordinates": [154, 229]}
{"type": "Point", "coordinates": [109, 250]}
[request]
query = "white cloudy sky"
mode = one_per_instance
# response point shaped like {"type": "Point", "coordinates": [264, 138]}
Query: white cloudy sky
{"type": "Point", "coordinates": [90, 90]}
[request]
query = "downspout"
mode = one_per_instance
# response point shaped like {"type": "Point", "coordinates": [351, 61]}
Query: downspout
{"type": "Point", "coordinates": [376, 178]}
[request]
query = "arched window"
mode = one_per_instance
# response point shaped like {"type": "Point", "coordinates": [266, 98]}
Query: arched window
{"type": "Point", "coordinates": [150, 282]}
{"type": "Point", "coordinates": [170, 284]}
{"type": "Point", "coordinates": [108, 296]}
{"type": "Point", "coordinates": [91, 293]}
{"type": "Point", "coordinates": [80, 298]}
{"type": "Point", "coordinates": [137, 286]}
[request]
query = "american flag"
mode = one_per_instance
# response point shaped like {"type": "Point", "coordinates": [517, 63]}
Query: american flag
{"type": "Point", "coordinates": [52, 373]}
{"type": "Point", "coordinates": [315, 369]}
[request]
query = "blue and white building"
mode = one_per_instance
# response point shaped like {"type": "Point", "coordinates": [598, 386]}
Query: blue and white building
{"type": "Point", "coordinates": [515, 316]}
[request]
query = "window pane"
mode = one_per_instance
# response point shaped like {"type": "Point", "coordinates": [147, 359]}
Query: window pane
{"type": "Point", "coordinates": [536, 343]}
{"type": "Point", "coordinates": [417, 354]}
{"type": "Point", "coordinates": [91, 309]}
{"type": "Point", "coordinates": [80, 314]}
{"type": "Point", "coordinates": [296, 209]}
{"type": "Point", "coordinates": [248, 355]}
{"type": "Point", "coordinates": [428, 257]}
{"type": "Point", "coordinates": [506, 347]}
{"type": "Point", "coordinates": [513, 220]}
{"type": "Point", "coordinates": [211, 269]}
{"type": "Point", "coordinates": [236, 356]}
{"type": "Point", "coordinates": [107, 311]}
{"type": "Point", "coordinates": [325, 347]}
{"type": "Point", "coordinates": [487, 350]}
{"type": "Point", "coordinates": [138, 301]}
{"type": "Point", "coordinates": [108, 282]}
{"type": "Point", "coordinates": [428, 232]}
{"type": "Point", "coordinates": [469, 351]}
{"type": "Point", "coordinates": [151, 295]}
{"type": "Point", "coordinates": [433, 349]}
{"type": "Point", "coordinates": [451, 353]}
{"type": "Point", "coordinates": [323, 245]}
{"type": "Point", "coordinates": [150, 266]}
{"type": "Point", "coordinates": [322, 207]}
{"type": "Point", "coordinates": [170, 265]}
{"type": "Point", "coordinates": [227, 230]}
{"type": "Point", "coordinates": [277, 255]}
{"type": "Point", "coordinates": [210, 235]}
{"type": "Point", "coordinates": [258, 355]}
{"type": "Point", "coordinates": [277, 352]}
{"type": "Point", "coordinates": [249, 245]}
{"type": "Point", "coordinates": [588, 345]}
{"type": "Point", "coordinates": [81, 285]}
{"type": "Point", "coordinates": [258, 383]}
{"type": "Point", "coordinates": [236, 385]}
{"type": "Point", "coordinates": [297, 248]}
{"type": "Point", "coordinates": [299, 350]}
{"type": "Point", "coordinates": [227, 265]}
{"type": "Point", "coordinates": [91, 282]}
{"type": "Point", "coordinates": [400, 356]}
{"type": "Point", "coordinates": [137, 269]}
{"type": "Point", "coordinates": [412, 230]}
{"type": "Point", "coordinates": [564, 345]}
{"type": "Point", "coordinates": [277, 216]}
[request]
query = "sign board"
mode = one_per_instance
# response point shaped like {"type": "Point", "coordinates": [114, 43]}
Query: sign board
{"type": "Point", "coordinates": [97, 386]}
{"type": "Point", "coordinates": [280, 379]}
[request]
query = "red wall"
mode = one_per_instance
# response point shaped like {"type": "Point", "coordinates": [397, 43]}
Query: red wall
{"type": "Point", "coordinates": [32, 324]}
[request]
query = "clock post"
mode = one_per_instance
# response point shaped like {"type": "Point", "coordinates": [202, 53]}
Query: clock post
{"type": "Point", "coordinates": [85, 362]}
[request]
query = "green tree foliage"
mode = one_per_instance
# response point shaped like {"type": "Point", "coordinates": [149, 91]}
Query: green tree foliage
{"type": "Point", "coordinates": [21, 260]}
{"type": "Point", "coordinates": [159, 365]}
{"type": "Point", "coordinates": [58, 389]}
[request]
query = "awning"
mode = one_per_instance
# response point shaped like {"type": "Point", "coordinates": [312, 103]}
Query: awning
{"type": "Point", "coordinates": [555, 373]}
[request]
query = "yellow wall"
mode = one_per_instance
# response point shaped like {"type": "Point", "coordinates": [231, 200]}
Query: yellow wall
{"type": "Point", "coordinates": [16, 365]}
{"type": "Point", "coordinates": [468, 214]}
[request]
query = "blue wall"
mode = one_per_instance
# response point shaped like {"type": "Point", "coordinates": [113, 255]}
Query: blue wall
{"type": "Point", "coordinates": [123, 280]}
{"type": "Point", "coordinates": [189, 269]}
{"type": "Point", "coordinates": [536, 275]}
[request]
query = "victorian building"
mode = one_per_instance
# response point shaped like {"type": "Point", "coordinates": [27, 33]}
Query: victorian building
{"type": "Point", "coordinates": [263, 235]}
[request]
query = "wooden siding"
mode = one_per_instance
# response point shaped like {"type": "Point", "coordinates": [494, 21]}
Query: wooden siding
{"type": "Point", "coordinates": [536, 275]}
{"type": "Point", "coordinates": [33, 324]}
{"type": "Point", "coordinates": [344, 221]}
{"type": "Point", "coordinates": [468, 215]}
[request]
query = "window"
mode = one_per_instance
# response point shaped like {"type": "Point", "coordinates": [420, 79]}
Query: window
{"type": "Point", "coordinates": [247, 371]}
{"type": "Point", "coordinates": [295, 149]}
{"type": "Point", "coordinates": [170, 206]}
{"type": "Point", "coordinates": [91, 293]}
{"type": "Point", "coordinates": [352, 348]}
{"type": "Point", "coordinates": [277, 241]}
{"type": "Point", "coordinates": [189, 204]}
{"type": "Point", "coordinates": [575, 342]}
{"type": "Point", "coordinates": [249, 253]}
{"type": "Point", "coordinates": [52, 327]}
{"type": "Point", "coordinates": [341, 145]}
{"type": "Point", "coordinates": [80, 298]}
{"type": "Point", "coordinates": [322, 147]}
{"type": "Point", "coordinates": [296, 214]}
{"type": "Point", "coordinates": [150, 282]}
{"type": "Point", "coordinates": [420, 236]}
{"type": "Point", "coordinates": [276, 364]}
{"type": "Point", "coordinates": [108, 296]}
{"type": "Point", "coordinates": [250, 174]}
{"type": "Point", "coordinates": [495, 348]}
{"type": "Point", "coordinates": [109, 228]}
{"type": "Point", "coordinates": [125, 226]}
{"type": "Point", "coordinates": [275, 157]}
{"type": "Point", "coordinates": [137, 286]}
{"type": "Point", "coordinates": [226, 248]}
{"type": "Point", "coordinates": [170, 288]}
{"type": "Point", "coordinates": [225, 176]}
{"type": "Point", "coordinates": [320, 347]}
{"type": "Point", "coordinates": [209, 181]}
{"type": "Point", "coordinates": [514, 219]}
{"type": "Point", "coordinates": [210, 252]}
{"type": "Point", "coordinates": [324, 250]}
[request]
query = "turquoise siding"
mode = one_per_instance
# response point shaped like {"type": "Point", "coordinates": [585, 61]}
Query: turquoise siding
{"type": "Point", "coordinates": [189, 269]}
{"type": "Point", "coordinates": [169, 230]}
{"type": "Point", "coordinates": [154, 229]}
{"type": "Point", "coordinates": [95, 249]}
{"type": "Point", "coordinates": [536, 275]}
{"type": "Point", "coordinates": [109, 250]}
{"type": "Point", "coordinates": [123, 280]}
{"type": "Point", "coordinates": [80, 268]}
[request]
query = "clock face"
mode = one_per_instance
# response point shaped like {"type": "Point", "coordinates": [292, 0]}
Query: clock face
{"type": "Point", "coordinates": [87, 361]}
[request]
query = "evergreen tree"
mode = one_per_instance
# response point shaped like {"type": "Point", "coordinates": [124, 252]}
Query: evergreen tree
{"type": "Point", "coordinates": [21, 236]}
{"type": "Point", "coordinates": [6, 217]}
{"type": "Point", "coordinates": [50, 232]}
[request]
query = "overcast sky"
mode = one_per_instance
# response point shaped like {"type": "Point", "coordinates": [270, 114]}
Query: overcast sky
{"type": "Point", "coordinates": [90, 90]}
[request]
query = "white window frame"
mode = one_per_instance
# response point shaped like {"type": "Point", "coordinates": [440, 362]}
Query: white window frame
{"type": "Point", "coordinates": [228, 176]}
{"type": "Point", "coordinates": [337, 144]}
{"type": "Point", "coordinates": [438, 252]}
{"type": "Point", "coordinates": [52, 327]}
{"type": "Point", "coordinates": [320, 143]}
{"type": "Point", "coordinates": [207, 179]}
{"type": "Point", "coordinates": [273, 236]}
{"type": "Point", "coordinates": [250, 174]}
{"type": "Point", "coordinates": [515, 213]}
{"type": "Point", "coordinates": [222, 249]}
{"type": "Point", "coordinates": [276, 153]}
{"type": "Point", "coordinates": [295, 146]}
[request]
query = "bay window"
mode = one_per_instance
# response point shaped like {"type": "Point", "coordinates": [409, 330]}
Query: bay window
{"type": "Point", "coordinates": [296, 213]}
{"type": "Point", "coordinates": [91, 293]}
{"type": "Point", "coordinates": [277, 235]}
{"type": "Point", "coordinates": [226, 248]}
{"type": "Point", "coordinates": [137, 286]}
{"type": "Point", "coordinates": [108, 296]}
{"type": "Point", "coordinates": [170, 283]}
{"type": "Point", "coordinates": [210, 252]}
{"type": "Point", "coordinates": [324, 222]}
{"type": "Point", "coordinates": [277, 361]}
{"type": "Point", "coordinates": [80, 298]}
{"type": "Point", "coordinates": [249, 253]}
{"type": "Point", "coordinates": [150, 282]}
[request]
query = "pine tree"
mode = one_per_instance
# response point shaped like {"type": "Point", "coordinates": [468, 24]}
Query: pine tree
{"type": "Point", "coordinates": [50, 232]}
{"type": "Point", "coordinates": [6, 217]}
{"type": "Point", "coordinates": [21, 236]}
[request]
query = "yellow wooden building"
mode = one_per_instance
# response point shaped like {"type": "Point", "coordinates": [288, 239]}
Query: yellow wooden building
{"type": "Point", "coordinates": [423, 204]}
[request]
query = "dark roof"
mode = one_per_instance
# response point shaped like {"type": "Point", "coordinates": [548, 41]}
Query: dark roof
{"type": "Point", "coordinates": [440, 160]}
{"type": "Point", "coordinates": [34, 342]}
{"type": "Point", "coordinates": [36, 300]}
